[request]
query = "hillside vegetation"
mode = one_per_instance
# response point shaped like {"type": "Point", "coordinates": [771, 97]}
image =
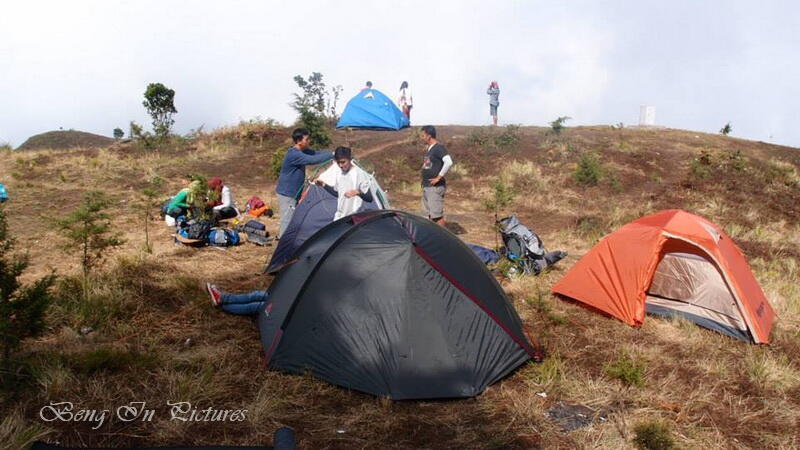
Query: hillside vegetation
{"type": "Point", "coordinates": [63, 139]}
{"type": "Point", "coordinates": [149, 334]}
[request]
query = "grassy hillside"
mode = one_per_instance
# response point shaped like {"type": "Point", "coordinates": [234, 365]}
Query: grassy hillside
{"type": "Point", "coordinates": [64, 139]}
{"type": "Point", "coordinates": [155, 337]}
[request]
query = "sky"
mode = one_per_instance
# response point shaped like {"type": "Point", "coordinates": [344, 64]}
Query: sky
{"type": "Point", "coordinates": [85, 65]}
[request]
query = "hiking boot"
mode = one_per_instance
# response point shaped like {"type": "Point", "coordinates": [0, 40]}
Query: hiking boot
{"type": "Point", "coordinates": [214, 292]}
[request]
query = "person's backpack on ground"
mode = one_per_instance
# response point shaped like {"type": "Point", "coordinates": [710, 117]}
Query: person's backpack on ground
{"type": "Point", "coordinates": [525, 248]}
{"type": "Point", "coordinates": [222, 237]}
{"type": "Point", "coordinates": [194, 229]}
{"type": "Point", "coordinates": [256, 232]}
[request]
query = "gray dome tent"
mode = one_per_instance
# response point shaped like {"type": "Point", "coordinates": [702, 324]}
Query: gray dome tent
{"type": "Point", "coordinates": [391, 304]}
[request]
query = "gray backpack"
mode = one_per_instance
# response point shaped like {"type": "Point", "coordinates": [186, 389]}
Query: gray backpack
{"type": "Point", "coordinates": [525, 248]}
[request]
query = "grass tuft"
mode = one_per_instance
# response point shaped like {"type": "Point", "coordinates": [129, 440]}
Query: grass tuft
{"type": "Point", "coordinates": [629, 370]}
{"type": "Point", "coordinates": [653, 436]}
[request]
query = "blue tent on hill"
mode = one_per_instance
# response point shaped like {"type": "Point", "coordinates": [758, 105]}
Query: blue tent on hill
{"type": "Point", "coordinates": [372, 110]}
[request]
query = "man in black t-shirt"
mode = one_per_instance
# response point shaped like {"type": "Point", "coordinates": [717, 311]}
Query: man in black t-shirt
{"type": "Point", "coordinates": [436, 164]}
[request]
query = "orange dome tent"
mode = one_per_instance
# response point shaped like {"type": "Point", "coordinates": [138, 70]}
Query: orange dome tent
{"type": "Point", "coordinates": [672, 263]}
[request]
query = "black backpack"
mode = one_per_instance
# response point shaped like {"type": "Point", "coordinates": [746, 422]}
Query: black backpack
{"type": "Point", "coordinates": [195, 229]}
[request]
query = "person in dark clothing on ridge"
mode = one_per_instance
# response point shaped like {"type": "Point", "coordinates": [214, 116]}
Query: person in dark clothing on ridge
{"type": "Point", "coordinates": [293, 173]}
{"type": "Point", "coordinates": [436, 164]}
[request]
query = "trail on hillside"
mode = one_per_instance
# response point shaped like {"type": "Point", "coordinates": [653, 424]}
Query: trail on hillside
{"type": "Point", "coordinates": [377, 148]}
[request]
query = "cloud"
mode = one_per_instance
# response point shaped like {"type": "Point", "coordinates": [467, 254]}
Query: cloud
{"type": "Point", "coordinates": [86, 65]}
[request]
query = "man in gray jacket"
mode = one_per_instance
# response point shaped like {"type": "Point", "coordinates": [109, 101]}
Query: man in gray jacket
{"type": "Point", "coordinates": [494, 100]}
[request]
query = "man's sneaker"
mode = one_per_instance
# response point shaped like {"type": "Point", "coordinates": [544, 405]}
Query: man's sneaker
{"type": "Point", "coordinates": [216, 295]}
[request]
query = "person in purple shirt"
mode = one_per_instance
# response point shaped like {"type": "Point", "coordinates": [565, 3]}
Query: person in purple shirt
{"type": "Point", "coordinates": [293, 174]}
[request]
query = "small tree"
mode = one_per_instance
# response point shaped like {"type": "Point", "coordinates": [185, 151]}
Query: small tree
{"type": "Point", "coordinates": [558, 124]}
{"type": "Point", "coordinates": [138, 134]}
{"type": "Point", "coordinates": [502, 196]}
{"type": "Point", "coordinates": [22, 309]}
{"type": "Point", "coordinates": [333, 100]}
{"type": "Point", "coordinates": [313, 96]}
{"type": "Point", "coordinates": [88, 230]}
{"type": "Point", "coordinates": [589, 170]}
{"type": "Point", "coordinates": [159, 101]}
{"type": "Point", "coordinates": [311, 104]}
{"type": "Point", "coordinates": [118, 133]}
{"type": "Point", "coordinates": [149, 201]}
{"type": "Point", "coordinates": [726, 130]}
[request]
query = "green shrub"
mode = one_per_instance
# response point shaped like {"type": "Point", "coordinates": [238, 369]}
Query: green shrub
{"type": "Point", "coordinates": [509, 137]}
{"type": "Point", "coordinates": [276, 161]}
{"type": "Point", "coordinates": [22, 309]}
{"type": "Point", "coordinates": [613, 181]}
{"type": "Point", "coordinates": [628, 370]}
{"type": "Point", "coordinates": [726, 130]}
{"type": "Point", "coordinates": [558, 125]}
{"type": "Point", "coordinates": [710, 162]}
{"type": "Point", "coordinates": [589, 170]}
{"type": "Point", "coordinates": [479, 137]}
{"type": "Point", "coordinates": [653, 436]}
{"type": "Point", "coordinates": [316, 125]}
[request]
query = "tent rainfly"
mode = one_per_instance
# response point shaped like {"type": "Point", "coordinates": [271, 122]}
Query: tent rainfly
{"type": "Point", "coordinates": [372, 110]}
{"type": "Point", "coordinates": [394, 305]}
{"type": "Point", "coordinates": [672, 263]}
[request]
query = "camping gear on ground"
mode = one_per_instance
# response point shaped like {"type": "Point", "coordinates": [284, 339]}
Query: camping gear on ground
{"type": "Point", "coordinates": [3, 193]}
{"type": "Point", "coordinates": [314, 210]}
{"type": "Point", "coordinates": [525, 248]}
{"type": "Point", "coordinates": [394, 305]}
{"type": "Point", "coordinates": [256, 207]}
{"type": "Point", "coordinates": [194, 228]}
{"type": "Point", "coordinates": [258, 212]}
{"type": "Point", "coordinates": [255, 231]}
{"type": "Point", "coordinates": [486, 255]}
{"type": "Point", "coordinates": [254, 202]}
{"type": "Point", "coordinates": [672, 263]}
{"type": "Point", "coordinates": [371, 109]}
{"type": "Point", "coordinates": [222, 237]}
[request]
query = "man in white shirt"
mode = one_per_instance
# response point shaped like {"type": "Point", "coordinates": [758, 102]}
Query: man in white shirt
{"type": "Point", "coordinates": [352, 184]}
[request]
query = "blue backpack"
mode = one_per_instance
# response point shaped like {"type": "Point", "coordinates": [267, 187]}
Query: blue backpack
{"type": "Point", "coordinates": [220, 237]}
{"type": "Point", "coordinates": [3, 193]}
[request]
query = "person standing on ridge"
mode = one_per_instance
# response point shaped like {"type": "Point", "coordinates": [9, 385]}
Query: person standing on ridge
{"type": "Point", "coordinates": [494, 100]}
{"type": "Point", "coordinates": [293, 174]}
{"type": "Point", "coordinates": [405, 101]}
{"type": "Point", "coordinates": [436, 164]}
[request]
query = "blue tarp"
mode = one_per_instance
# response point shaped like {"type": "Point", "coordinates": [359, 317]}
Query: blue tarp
{"type": "Point", "coordinates": [486, 255]}
{"type": "Point", "coordinates": [373, 110]}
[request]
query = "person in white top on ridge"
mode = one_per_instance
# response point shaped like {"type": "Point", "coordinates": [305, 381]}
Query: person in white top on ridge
{"type": "Point", "coordinates": [405, 101]}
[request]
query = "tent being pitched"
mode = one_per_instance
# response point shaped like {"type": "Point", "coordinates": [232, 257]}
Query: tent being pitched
{"type": "Point", "coordinates": [672, 263]}
{"type": "Point", "coordinates": [316, 209]}
{"type": "Point", "coordinates": [371, 109]}
{"type": "Point", "coordinates": [392, 304]}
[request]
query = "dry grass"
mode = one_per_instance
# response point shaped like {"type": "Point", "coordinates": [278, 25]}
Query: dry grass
{"type": "Point", "coordinates": [155, 338]}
